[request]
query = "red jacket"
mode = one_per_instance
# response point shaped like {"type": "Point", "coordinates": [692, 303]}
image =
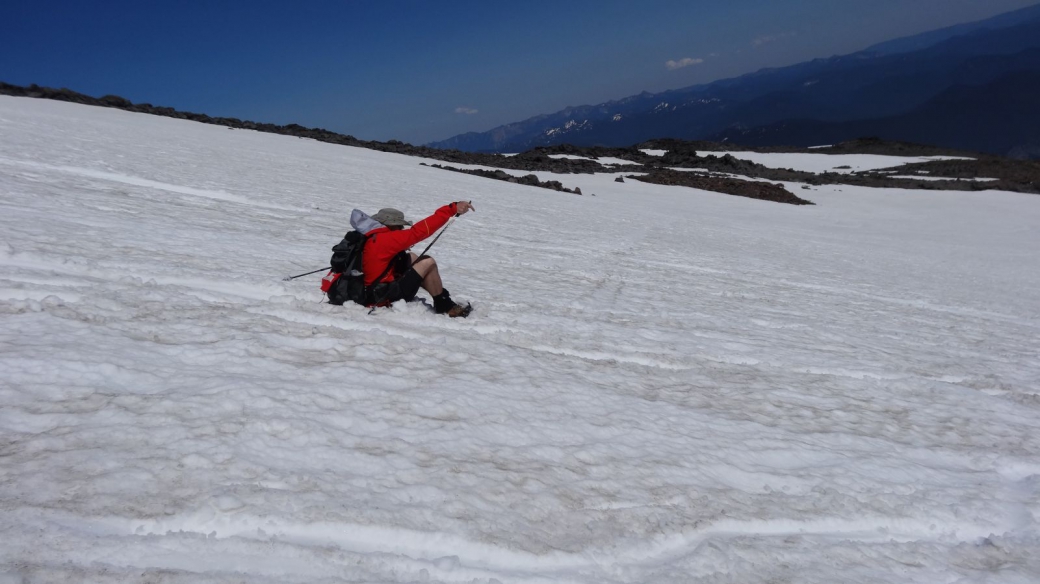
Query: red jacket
{"type": "Point", "coordinates": [383, 244]}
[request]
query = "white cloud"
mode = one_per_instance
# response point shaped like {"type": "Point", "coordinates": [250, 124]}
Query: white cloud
{"type": "Point", "coordinates": [465, 110]}
{"type": "Point", "coordinates": [684, 62]}
{"type": "Point", "coordinates": [769, 38]}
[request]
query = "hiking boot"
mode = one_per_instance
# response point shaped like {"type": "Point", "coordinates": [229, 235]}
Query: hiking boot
{"type": "Point", "coordinates": [442, 302]}
{"type": "Point", "coordinates": [459, 311]}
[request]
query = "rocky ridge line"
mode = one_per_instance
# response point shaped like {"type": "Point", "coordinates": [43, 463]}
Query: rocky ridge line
{"type": "Point", "coordinates": [1012, 175]}
{"type": "Point", "coordinates": [529, 180]}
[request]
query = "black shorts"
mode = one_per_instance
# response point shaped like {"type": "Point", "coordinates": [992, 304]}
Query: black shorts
{"type": "Point", "coordinates": [403, 288]}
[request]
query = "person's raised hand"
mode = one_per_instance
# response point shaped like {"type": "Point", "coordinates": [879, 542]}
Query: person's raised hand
{"type": "Point", "coordinates": [462, 207]}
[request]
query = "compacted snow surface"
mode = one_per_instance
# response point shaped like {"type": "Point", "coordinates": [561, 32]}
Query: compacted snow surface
{"type": "Point", "coordinates": [657, 385]}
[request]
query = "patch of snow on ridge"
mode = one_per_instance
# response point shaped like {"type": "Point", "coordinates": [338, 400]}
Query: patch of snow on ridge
{"type": "Point", "coordinates": [657, 384]}
{"type": "Point", "coordinates": [820, 163]}
{"type": "Point", "coordinates": [918, 177]}
{"type": "Point", "coordinates": [605, 160]}
{"type": "Point", "coordinates": [652, 152]}
{"type": "Point", "coordinates": [612, 161]}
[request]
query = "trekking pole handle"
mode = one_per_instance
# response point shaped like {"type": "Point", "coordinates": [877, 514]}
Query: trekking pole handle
{"type": "Point", "coordinates": [471, 207]}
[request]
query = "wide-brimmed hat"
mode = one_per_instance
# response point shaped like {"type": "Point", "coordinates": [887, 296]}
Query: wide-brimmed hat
{"type": "Point", "coordinates": [391, 218]}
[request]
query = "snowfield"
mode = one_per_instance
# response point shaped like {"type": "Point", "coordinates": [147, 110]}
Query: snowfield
{"type": "Point", "coordinates": [657, 384]}
{"type": "Point", "coordinates": [820, 163]}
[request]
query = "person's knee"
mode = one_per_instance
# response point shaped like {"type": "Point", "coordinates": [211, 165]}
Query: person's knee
{"type": "Point", "coordinates": [425, 265]}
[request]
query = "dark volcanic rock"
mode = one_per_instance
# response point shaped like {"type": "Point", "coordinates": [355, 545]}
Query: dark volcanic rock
{"type": "Point", "coordinates": [630, 153]}
{"type": "Point", "coordinates": [858, 146]}
{"type": "Point", "coordinates": [1021, 176]}
{"type": "Point", "coordinates": [1015, 175]}
{"type": "Point", "coordinates": [729, 186]}
{"type": "Point", "coordinates": [528, 179]}
{"type": "Point", "coordinates": [887, 148]}
{"type": "Point", "coordinates": [116, 101]}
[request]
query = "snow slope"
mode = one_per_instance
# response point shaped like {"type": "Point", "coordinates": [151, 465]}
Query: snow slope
{"type": "Point", "coordinates": [657, 384]}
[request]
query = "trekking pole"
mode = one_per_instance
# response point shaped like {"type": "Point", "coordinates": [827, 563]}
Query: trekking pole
{"type": "Point", "coordinates": [287, 278]}
{"type": "Point", "coordinates": [423, 254]}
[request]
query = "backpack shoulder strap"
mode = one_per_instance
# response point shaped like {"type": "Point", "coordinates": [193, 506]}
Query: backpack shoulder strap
{"type": "Point", "coordinates": [389, 265]}
{"type": "Point", "coordinates": [377, 281]}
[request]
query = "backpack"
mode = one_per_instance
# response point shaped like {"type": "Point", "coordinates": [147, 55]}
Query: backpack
{"type": "Point", "coordinates": [346, 280]}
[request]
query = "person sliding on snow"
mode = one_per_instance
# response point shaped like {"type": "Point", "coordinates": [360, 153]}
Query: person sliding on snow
{"type": "Point", "coordinates": [389, 244]}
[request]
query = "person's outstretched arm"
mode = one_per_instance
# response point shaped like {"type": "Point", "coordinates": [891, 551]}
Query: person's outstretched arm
{"type": "Point", "coordinates": [398, 241]}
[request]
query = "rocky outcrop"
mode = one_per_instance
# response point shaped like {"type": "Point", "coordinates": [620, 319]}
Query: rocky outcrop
{"type": "Point", "coordinates": [527, 179]}
{"type": "Point", "coordinates": [730, 186]}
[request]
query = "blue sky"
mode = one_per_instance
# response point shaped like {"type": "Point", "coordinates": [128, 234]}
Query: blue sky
{"type": "Point", "coordinates": [421, 71]}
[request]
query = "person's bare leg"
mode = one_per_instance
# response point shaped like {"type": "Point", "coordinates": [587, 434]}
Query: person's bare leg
{"type": "Point", "coordinates": [431, 276]}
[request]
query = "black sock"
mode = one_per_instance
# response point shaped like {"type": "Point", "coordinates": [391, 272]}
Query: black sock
{"type": "Point", "coordinates": [443, 302]}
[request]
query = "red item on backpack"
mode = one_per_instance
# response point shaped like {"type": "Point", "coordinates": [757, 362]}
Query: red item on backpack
{"type": "Point", "coordinates": [328, 281]}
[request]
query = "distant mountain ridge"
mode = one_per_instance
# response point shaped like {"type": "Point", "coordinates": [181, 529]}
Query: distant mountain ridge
{"type": "Point", "coordinates": [994, 117]}
{"type": "Point", "coordinates": [892, 79]}
{"type": "Point", "coordinates": [927, 39]}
